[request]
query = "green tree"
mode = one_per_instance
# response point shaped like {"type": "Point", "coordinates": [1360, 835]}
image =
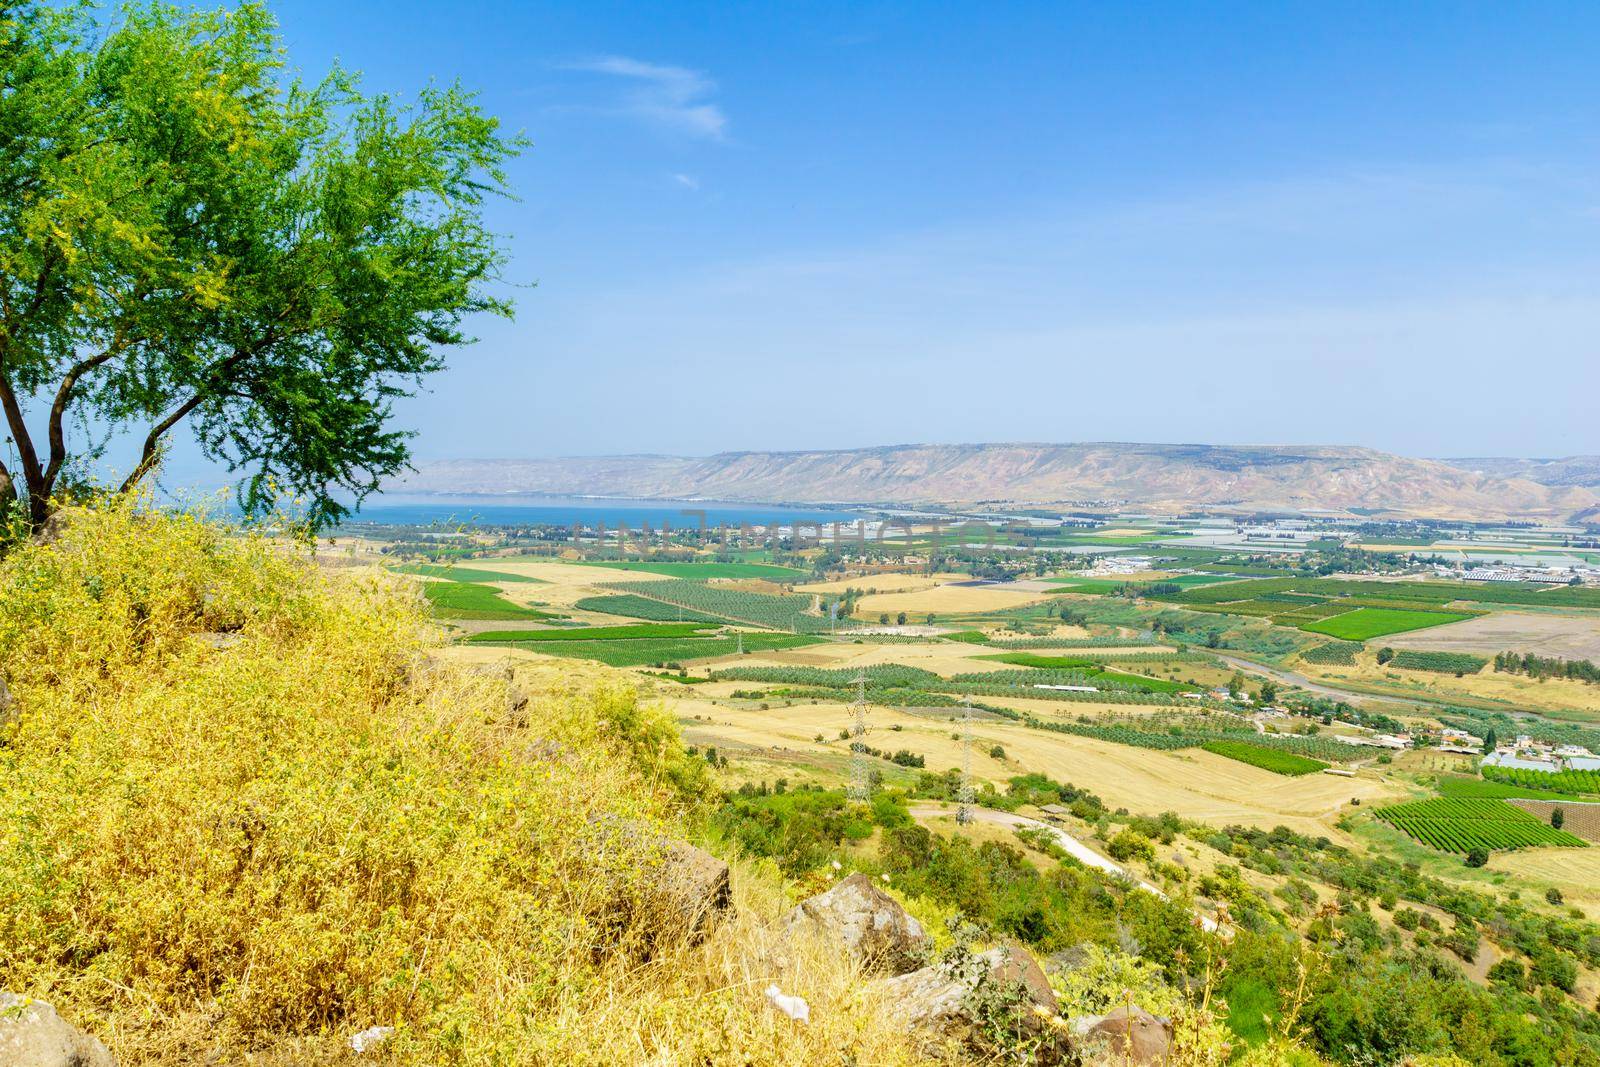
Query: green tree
{"type": "Point", "coordinates": [1385, 655]}
{"type": "Point", "coordinates": [1558, 818]}
{"type": "Point", "coordinates": [1477, 857]}
{"type": "Point", "coordinates": [191, 236]}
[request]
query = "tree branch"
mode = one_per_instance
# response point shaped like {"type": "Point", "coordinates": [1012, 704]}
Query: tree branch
{"type": "Point", "coordinates": [152, 441]}
{"type": "Point", "coordinates": [58, 409]}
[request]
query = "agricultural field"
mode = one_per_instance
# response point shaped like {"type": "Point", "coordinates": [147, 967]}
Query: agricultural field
{"type": "Point", "coordinates": [1198, 784]}
{"type": "Point", "coordinates": [1577, 818]}
{"type": "Point", "coordinates": [1268, 759]}
{"type": "Point", "coordinates": [638, 607]}
{"type": "Point", "coordinates": [1333, 653]}
{"type": "Point", "coordinates": [770, 572]}
{"type": "Point", "coordinates": [793, 613]}
{"type": "Point", "coordinates": [1457, 785]}
{"type": "Point", "coordinates": [465, 574]}
{"type": "Point", "coordinates": [1558, 636]}
{"type": "Point", "coordinates": [466, 601]}
{"type": "Point", "coordinates": [647, 652]}
{"type": "Point", "coordinates": [883, 583]}
{"type": "Point", "coordinates": [591, 633]}
{"type": "Point", "coordinates": [1363, 624]}
{"type": "Point", "coordinates": [1459, 825]}
{"type": "Point", "coordinates": [1575, 783]}
{"type": "Point", "coordinates": [1410, 659]}
{"type": "Point", "coordinates": [949, 598]}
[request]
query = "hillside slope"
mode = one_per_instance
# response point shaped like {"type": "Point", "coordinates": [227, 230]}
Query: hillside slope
{"type": "Point", "coordinates": [1162, 478]}
{"type": "Point", "coordinates": [247, 811]}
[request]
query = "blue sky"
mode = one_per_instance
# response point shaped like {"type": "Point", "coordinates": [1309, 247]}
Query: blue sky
{"type": "Point", "coordinates": [834, 225]}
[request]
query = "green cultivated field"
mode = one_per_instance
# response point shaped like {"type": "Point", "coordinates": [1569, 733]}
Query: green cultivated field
{"type": "Point", "coordinates": [1575, 783]}
{"type": "Point", "coordinates": [1457, 785]}
{"type": "Point", "coordinates": [638, 607]}
{"type": "Point", "coordinates": [1412, 659]}
{"type": "Point", "coordinates": [1460, 825]}
{"type": "Point", "coordinates": [1266, 758]}
{"type": "Point", "coordinates": [590, 633]}
{"type": "Point", "coordinates": [753, 609]}
{"type": "Point", "coordinates": [477, 603]}
{"type": "Point", "coordinates": [644, 652]}
{"type": "Point", "coordinates": [465, 574]}
{"type": "Point", "coordinates": [701, 571]}
{"type": "Point", "coordinates": [1365, 623]}
{"type": "Point", "coordinates": [1334, 653]}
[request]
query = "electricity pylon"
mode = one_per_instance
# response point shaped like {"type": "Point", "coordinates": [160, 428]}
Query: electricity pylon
{"type": "Point", "coordinates": [966, 796]}
{"type": "Point", "coordinates": [860, 769]}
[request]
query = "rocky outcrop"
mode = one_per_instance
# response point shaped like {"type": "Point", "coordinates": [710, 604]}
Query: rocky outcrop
{"type": "Point", "coordinates": [1123, 1037]}
{"type": "Point", "coordinates": [33, 1035]}
{"type": "Point", "coordinates": [693, 884]}
{"type": "Point", "coordinates": [873, 928]}
{"type": "Point", "coordinates": [8, 705]}
{"type": "Point", "coordinates": [674, 889]}
{"type": "Point", "coordinates": [1001, 992]}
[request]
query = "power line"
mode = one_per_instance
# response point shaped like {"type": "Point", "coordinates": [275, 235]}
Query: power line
{"type": "Point", "coordinates": [860, 768]}
{"type": "Point", "coordinates": [966, 796]}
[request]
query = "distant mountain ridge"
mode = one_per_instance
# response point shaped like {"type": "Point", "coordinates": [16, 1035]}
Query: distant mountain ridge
{"type": "Point", "coordinates": [1163, 478]}
{"type": "Point", "coordinates": [1571, 470]}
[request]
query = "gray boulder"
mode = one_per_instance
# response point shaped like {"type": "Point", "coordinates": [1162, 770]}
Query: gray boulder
{"type": "Point", "coordinates": [33, 1035]}
{"type": "Point", "coordinates": [8, 705]}
{"type": "Point", "coordinates": [999, 994]}
{"type": "Point", "coordinates": [694, 885]}
{"type": "Point", "coordinates": [874, 929]}
{"type": "Point", "coordinates": [1122, 1037]}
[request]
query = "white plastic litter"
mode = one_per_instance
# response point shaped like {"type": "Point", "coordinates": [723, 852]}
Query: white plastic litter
{"type": "Point", "coordinates": [370, 1038]}
{"type": "Point", "coordinates": [794, 1007]}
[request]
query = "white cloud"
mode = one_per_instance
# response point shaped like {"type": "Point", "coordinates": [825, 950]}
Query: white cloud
{"type": "Point", "coordinates": [688, 181]}
{"type": "Point", "coordinates": [668, 97]}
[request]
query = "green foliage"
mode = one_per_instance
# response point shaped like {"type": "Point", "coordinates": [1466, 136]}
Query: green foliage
{"type": "Point", "coordinates": [1462, 825]}
{"type": "Point", "coordinates": [590, 633]}
{"type": "Point", "coordinates": [637, 607]}
{"type": "Point", "coordinates": [465, 574]}
{"type": "Point", "coordinates": [1541, 667]}
{"type": "Point", "coordinates": [1573, 783]}
{"type": "Point", "coordinates": [1277, 762]}
{"type": "Point", "coordinates": [1364, 623]}
{"type": "Point", "coordinates": [1412, 659]}
{"type": "Point", "coordinates": [970, 637]}
{"type": "Point", "coordinates": [651, 652]}
{"type": "Point", "coordinates": [704, 571]}
{"type": "Point", "coordinates": [191, 233]}
{"type": "Point", "coordinates": [792, 613]}
{"type": "Point", "coordinates": [464, 600]}
{"type": "Point", "coordinates": [1456, 785]}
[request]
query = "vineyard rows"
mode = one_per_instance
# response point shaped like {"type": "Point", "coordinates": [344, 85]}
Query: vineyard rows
{"type": "Point", "coordinates": [1460, 825]}
{"type": "Point", "coordinates": [790, 613]}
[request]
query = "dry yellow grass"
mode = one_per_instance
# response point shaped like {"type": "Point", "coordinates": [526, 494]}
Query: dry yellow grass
{"type": "Point", "coordinates": [1575, 871]}
{"type": "Point", "coordinates": [941, 657]}
{"type": "Point", "coordinates": [255, 846]}
{"type": "Point", "coordinates": [884, 583]}
{"type": "Point", "coordinates": [1196, 784]}
{"type": "Point", "coordinates": [1514, 691]}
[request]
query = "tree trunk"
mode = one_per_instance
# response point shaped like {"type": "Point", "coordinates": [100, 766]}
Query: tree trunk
{"type": "Point", "coordinates": [8, 493]}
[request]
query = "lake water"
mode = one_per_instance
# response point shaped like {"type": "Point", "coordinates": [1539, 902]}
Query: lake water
{"type": "Point", "coordinates": [590, 511]}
